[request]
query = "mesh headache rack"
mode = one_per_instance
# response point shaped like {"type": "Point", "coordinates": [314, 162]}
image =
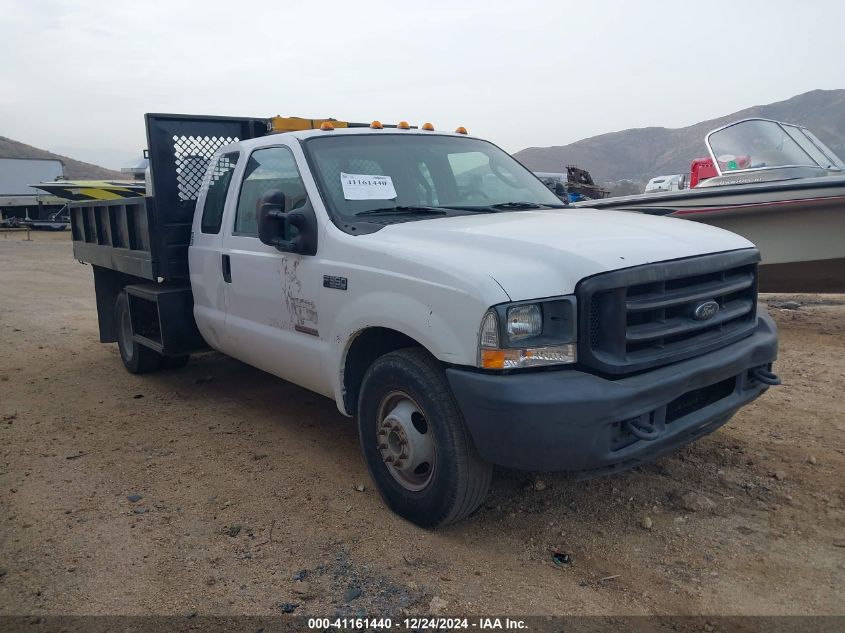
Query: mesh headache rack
{"type": "Point", "coordinates": [149, 237]}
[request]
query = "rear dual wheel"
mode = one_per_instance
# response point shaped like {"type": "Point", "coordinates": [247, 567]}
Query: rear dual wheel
{"type": "Point", "coordinates": [416, 445]}
{"type": "Point", "coordinates": [137, 358]}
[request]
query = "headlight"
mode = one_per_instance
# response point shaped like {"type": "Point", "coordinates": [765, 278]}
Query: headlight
{"type": "Point", "coordinates": [534, 334]}
{"type": "Point", "coordinates": [524, 321]}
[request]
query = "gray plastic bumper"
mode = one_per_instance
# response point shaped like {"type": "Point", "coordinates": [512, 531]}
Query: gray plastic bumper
{"type": "Point", "coordinates": [572, 420]}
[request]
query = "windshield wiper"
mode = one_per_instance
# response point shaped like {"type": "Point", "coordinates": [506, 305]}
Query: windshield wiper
{"type": "Point", "coordinates": [400, 209]}
{"type": "Point", "coordinates": [508, 206]}
{"type": "Point", "coordinates": [525, 205]}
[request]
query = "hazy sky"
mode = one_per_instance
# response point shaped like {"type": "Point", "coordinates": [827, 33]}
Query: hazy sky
{"type": "Point", "coordinates": [77, 75]}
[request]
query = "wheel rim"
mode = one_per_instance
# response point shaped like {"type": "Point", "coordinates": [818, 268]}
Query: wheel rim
{"type": "Point", "coordinates": [405, 441]}
{"type": "Point", "coordinates": [125, 335]}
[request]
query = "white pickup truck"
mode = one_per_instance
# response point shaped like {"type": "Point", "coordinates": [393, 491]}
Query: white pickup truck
{"type": "Point", "coordinates": [436, 290]}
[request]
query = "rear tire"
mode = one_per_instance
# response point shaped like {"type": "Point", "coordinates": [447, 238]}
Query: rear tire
{"type": "Point", "coordinates": [418, 450]}
{"type": "Point", "coordinates": [136, 358]}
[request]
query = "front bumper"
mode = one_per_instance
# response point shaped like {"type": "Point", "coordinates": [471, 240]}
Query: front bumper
{"type": "Point", "coordinates": [572, 420]}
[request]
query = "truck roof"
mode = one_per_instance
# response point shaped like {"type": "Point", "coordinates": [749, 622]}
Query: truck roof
{"type": "Point", "coordinates": [351, 131]}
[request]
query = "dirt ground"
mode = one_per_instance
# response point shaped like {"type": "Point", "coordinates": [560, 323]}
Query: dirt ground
{"type": "Point", "coordinates": [249, 500]}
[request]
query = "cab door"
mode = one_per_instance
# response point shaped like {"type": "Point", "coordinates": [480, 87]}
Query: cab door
{"type": "Point", "coordinates": [205, 255]}
{"type": "Point", "coordinates": [272, 313]}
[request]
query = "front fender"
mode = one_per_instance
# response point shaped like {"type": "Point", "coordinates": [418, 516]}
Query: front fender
{"type": "Point", "coordinates": [445, 324]}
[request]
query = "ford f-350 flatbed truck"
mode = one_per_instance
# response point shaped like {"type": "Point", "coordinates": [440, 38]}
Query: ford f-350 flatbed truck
{"type": "Point", "coordinates": [434, 288]}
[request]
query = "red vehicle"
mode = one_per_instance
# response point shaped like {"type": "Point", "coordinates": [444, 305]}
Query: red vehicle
{"type": "Point", "coordinates": [701, 169]}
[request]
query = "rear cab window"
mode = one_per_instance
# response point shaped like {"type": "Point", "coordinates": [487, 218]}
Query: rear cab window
{"type": "Point", "coordinates": [219, 177]}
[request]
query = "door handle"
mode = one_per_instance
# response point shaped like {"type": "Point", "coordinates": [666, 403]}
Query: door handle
{"type": "Point", "coordinates": [227, 269]}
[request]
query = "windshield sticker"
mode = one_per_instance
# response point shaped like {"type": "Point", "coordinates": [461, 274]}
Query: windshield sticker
{"type": "Point", "coordinates": [367, 187]}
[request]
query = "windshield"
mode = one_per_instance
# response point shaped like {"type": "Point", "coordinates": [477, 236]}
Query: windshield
{"type": "Point", "coordinates": [369, 172]}
{"type": "Point", "coordinates": [759, 144]}
{"type": "Point", "coordinates": [827, 158]}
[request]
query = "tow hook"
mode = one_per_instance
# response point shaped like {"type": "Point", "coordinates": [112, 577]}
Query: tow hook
{"type": "Point", "coordinates": [761, 374]}
{"type": "Point", "coordinates": [640, 429]}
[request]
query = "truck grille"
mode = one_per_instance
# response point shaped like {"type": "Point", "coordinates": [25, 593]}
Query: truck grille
{"type": "Point", "coordinates": [642, 317]}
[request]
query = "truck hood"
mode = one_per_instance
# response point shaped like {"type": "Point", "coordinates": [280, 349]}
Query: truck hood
{"type": "Point", "coordinates": [544, 253]}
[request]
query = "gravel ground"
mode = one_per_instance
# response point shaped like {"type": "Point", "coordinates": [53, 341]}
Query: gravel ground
{"type": "Point", "coordinates": [219, 489]}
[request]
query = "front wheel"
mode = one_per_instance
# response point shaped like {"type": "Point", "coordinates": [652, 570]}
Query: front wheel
{"type": "Point", "coordinates": [417, 448]}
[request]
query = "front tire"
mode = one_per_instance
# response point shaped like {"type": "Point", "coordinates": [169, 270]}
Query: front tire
{"type": "Point", "coordinates": [418, 450]}
{"type": "Point", "coordinates": [136, 358]}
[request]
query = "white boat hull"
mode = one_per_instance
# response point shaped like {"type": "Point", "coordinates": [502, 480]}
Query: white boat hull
{"type": "Point", "coordinates": [799, 226]}
{"type": "Point", "coordinates": [802, 242]}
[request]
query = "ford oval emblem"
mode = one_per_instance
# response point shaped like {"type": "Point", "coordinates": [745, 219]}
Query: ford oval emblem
{"type": "Point", "coordinates": [706, 310]}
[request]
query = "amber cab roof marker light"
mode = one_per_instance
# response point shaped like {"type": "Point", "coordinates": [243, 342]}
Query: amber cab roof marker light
{"type": "Point", "coordinates": [404, 125]}
{"type": "Point", "coordinates": [461, 130]}
{"type": "Point", "coordinates": [279, 124]}
{"type": "Point", "coordinates": [428, 127]}
{"type": "Point", "coordinates": [325, 126]}
{"type": "Point", "coordinates": [376, 125]}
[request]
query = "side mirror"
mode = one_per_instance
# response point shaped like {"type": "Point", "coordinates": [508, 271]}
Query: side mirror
{"type": "Point", "coordinates": [273, 225]}
{"type": "Point", "coordinates": [290, 232]}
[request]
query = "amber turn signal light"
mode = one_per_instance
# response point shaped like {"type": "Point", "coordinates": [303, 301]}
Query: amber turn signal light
{"type": "Point", "coordinates": [493, 359]}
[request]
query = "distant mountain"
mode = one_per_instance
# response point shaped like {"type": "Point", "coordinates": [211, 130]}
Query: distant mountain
{"type": "Point", "coordinates": [74, 169]}
{"type": "Point", "coordinates": [642, 153]}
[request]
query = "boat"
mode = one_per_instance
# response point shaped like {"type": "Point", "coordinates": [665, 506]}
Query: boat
{"type": "Point", "coordinates": [57, 221]}
{"type": "Point", "coordinates": [82, 190]}
{"type": "Point", "coordinates": [779, 186]}
{"type": "Point", "coordinates": [574, 185]}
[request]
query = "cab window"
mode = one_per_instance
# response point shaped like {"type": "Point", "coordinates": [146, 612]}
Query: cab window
{"type": "Point", "coordinates": [267, 169]}
{"type": "Point", "coordinates": [218, 179]}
